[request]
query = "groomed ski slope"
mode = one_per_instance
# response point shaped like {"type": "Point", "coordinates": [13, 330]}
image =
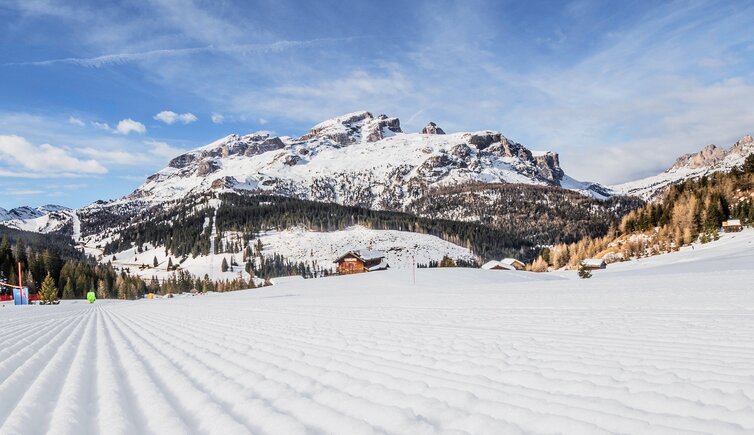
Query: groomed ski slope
{"type": "Point", "coordinates": [662, 345]}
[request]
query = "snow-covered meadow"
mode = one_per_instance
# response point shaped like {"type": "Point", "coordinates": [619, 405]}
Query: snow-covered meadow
{"type": "Point", "coordinates": [661, 345]}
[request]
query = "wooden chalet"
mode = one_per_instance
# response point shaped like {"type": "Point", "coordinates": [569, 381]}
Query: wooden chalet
{"type": "Point", "coordinates": [516, 264]}
{"type": "Point", "coordinates": [504, 264]}
{"type": "Point", "coordinates": [496, 265]}
{"type": "Point", "coordinates": [732, 226]}
{"type": "Point", "coordinates": [593, 263]}
{"type": "Point", "coordinates": [361, 261]}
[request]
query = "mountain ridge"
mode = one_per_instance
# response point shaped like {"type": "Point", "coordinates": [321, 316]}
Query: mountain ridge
{"type": "Point", "coordinates": [708, 160]}
{"type": "Point", "coordinates": [357, 159]}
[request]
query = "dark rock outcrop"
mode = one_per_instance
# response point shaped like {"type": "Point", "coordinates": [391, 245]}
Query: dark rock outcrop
{"type": "Point", "coordinates": [432, 128]}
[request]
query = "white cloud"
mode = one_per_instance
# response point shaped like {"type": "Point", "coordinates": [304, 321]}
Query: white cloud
{"type": "Point", "coordinates": [263, 121]}
{"type": "Point", "coordinates": [318, 100]}
{"type": "Point", "coordinates": [162, 149]}
{"type": "Point", "coordinates": [76, 121]}
{"type": "Point", "coordinates": [170, 117]}
{"type": "Point", "coordinates": [139, 178]}
{"type": "Point", "coordinates": [217, 118]}
{"type": "Point", "coordinates": [27, 160]}
{"type": "Point", "coordinates": [151, 55]}
{"type": "Point", "coordinates": [24, 192]}
{"type": "Point", "coordinates": [117, 157]}
{"type": "Point", "coordinates": [101, 126]}
{"type": "Point", "coordinates": [128, 125]}
{"type": "Point", "coordinates": [155, 151]}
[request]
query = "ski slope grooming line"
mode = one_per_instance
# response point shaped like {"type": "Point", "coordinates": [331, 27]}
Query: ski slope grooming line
{"type": "Point", "coordinates": [664, 345]}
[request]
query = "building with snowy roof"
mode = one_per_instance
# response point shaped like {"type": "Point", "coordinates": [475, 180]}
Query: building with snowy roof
{"type": "Point", "coordinates": [504, 264]}
{"type": "Point", "coordinates": [497, 265]}
{"type": "Point", "coordinates": [516, 264]}
{"type": "Point", "coordinates": [593, 263]}
{"type": "Point", "coordinates": [732, 226]}
{"type": "Point", "coordinates": [363, 260]}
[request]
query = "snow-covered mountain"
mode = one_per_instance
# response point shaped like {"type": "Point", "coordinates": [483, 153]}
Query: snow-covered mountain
{"type": "Point", "coordinates": [357, 159]}
{"type": "Point", "coordinates": [45, 219]}
{"type": "Point", "coordinates": [710, 159]}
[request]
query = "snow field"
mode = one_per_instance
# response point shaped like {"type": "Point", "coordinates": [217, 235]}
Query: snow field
{"type": "Point", "coordinates": [662, 345]}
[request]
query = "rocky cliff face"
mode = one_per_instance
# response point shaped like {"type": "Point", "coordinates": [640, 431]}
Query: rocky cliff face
{"type": "Point", "coordinates": [354, 128]}
{"type": "Point", "coordinates": [707, 157]}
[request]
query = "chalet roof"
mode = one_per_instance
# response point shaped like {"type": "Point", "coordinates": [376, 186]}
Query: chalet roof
{"type": "Point", "coordinates": [363, 255]}
{"type": "Point", "coordinates": [592, 262]}
{"type": "Point", "coordinates": [367, 254]}
{"type": "Point", "coordinates": [511, 261]}
{"type": "Point", "coordinates": [494, 264]}
{"type": "Point", "coordinates": [381, 266]}
{"type": "Point", "coordinates": [732, 222]}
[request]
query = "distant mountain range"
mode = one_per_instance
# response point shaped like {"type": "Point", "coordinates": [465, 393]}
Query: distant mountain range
{"type": "Point", "coordinates": [709, 160]}
{"type": "Point", "coordinates": [45, 219]}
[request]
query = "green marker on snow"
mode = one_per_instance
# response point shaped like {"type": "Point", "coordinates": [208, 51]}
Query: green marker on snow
{"type": "Point", "coordinates": [91, 297]}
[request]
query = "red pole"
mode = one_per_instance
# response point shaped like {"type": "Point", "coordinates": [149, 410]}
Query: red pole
{"type": "Point", "coordinates": [20, 286]}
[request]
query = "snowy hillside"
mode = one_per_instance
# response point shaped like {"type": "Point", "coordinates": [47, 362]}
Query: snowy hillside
{"type": "Point", "coordinates": [401, 248]}
{"type": "Point", "coordinates": [656, 346]}
{"type": "Point", "coordinates": [357, 159]}
{"type": "Point", "coordinates": [44, 219]}
{"type": "Point", "coordinates": [708, 160]}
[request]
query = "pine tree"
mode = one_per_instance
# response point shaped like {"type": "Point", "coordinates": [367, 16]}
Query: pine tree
{"type": "Point", "coordinates": [49, 292]}
{"type": "Point", "coordinates": [170, 263]}
{"type": "Point", "coordinates": [102, 292]}
{"type": "Point", "coordinates": [539, 265]}
{"type": "Point", "coordinates": [447, 262]}
{"type": "Point", "coordinates": [121, 287]}
{"type": "Point", "coordinates": [154, 262]}
{"type": "Point", "coordinates": [748, 166]}
{"type": "Point", "coordinates": [224, 265]}
{"type": "Point", "coordinates": [68, 290]}
{"type": "Point", "coordinates": [29, 281]}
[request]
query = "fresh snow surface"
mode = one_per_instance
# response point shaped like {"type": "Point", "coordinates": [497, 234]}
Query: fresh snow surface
{"type": "Point", "coordinates": [662, 345]}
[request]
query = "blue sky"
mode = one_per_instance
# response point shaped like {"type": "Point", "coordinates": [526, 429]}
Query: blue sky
{"type": "Point", "coordinates": [619, 89]}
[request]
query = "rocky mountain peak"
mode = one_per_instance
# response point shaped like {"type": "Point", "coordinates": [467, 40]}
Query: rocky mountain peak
{"type": "Point", "coordinates": [354, 128]}
{"type": "Point", "coordinates": [708, 156]}
{"type": "Point", "coordinates": [432, 128]}
{"type": "Point", "coordinates": [743, 147]}
{"type": "Point", "coordinates": [232, 145]}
